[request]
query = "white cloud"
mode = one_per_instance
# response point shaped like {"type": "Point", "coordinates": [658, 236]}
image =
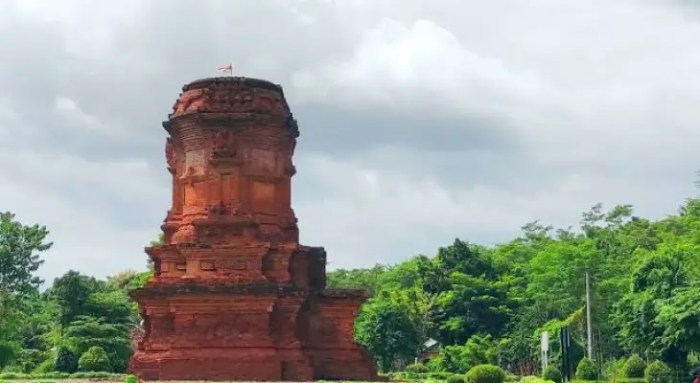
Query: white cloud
{"type": "Point", "coordinates": [422, 65]}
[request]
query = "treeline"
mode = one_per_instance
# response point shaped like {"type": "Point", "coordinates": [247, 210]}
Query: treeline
{"type": "Point", "coordinates": [489, 305]}
{"type": "Point", "coordinates": [78, 323]}
{"type": "Point", "coordinates": [483, 305]}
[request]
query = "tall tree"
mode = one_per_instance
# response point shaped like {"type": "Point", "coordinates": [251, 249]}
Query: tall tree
{"type": "Point", "coordinates": [20, 248]}
{"type": "Point", "coordinates": [72, 293]}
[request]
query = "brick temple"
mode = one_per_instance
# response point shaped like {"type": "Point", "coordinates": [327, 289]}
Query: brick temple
{"type": "Point", "coordinates": [234, 295]}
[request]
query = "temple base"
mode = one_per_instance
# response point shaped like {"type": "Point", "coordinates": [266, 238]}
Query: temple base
{"type": "Point", "coordinates": [228, 365]}
{"type": "Point", "coordinates": [193, 333]}
{"type": "Point", "coordinates": [253, 365]}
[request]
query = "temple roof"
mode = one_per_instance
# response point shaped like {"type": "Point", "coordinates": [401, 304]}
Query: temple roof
{"type": "Point", "coordinates": [235, 81]}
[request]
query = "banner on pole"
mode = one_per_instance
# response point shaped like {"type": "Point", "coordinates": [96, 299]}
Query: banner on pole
{"type": "Point", "coordinates": [544, 341]}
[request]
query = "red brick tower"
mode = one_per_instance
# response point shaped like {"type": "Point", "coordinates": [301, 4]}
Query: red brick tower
{"type": "Point", "coordinates": [234, 295]}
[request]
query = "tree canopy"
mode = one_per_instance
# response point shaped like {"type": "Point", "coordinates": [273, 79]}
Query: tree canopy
{"type": "Point", "coordinates": [483, 304]}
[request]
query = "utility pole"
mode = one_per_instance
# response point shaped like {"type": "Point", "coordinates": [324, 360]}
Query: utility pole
{"type": "Point", "coordinates": [589, 323]}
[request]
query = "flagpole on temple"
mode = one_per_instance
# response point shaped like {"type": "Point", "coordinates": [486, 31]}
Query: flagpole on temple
{"type": "Point", "coordinates": [228, 68]}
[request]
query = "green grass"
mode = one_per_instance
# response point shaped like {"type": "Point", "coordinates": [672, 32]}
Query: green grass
{"type": "Point", "coordinates": [43, 378]}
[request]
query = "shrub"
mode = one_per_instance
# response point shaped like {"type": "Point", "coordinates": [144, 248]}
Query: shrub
{"type": "Point", "coordinates": [48, 375]}
{"type": "Point", "coordinates": [47, 366]}
{"type": "Point", "coordinates": [613, 370]}
{"type": "Point", "coordinates": [534, 379]}
{"type": "Point", "coordinates": [456, 378]}
{"type": "Point", "coordinates": [52, 375]}
{"type": "Point", "coordinates": [486, 373]}
{"type": "Point", "coordinates": [634, 367]}
{"type": "Point", "coordinates": [658, 372]}
{"type": "Point", "coordinates": [94, 359]}
{"type": "Point", "coordinates": [27, 360]}
{"type": "Point", "coordinates": [510, 377]}
{"type": "Point", "coordinates": [552, 373]}
{"type": "Point", "coordinates": [8, 351]}
{"type": "Point", "coordinates": [586, 370]}
{"type": "Point", "coordinates": [417, 368]}
{"type": "Point", "coordinates": [66, 361]}
{"type": "Point", "coordinates": [440, 375]}
{"type": "Point", "coordinates": [95, 375]}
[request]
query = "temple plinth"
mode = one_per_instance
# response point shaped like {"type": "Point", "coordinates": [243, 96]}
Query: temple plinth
{"type": "Point", "coordinates": [234, 296]}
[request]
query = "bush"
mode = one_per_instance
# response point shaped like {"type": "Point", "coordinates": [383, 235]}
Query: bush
{"type": "Point", "coordinates": [66, 361]}
{"type": "Point", "coordinates": [586, 370]}
{"type": "Point", "coordinates": [47, 366]}
{"type": "Point", "coordinates": [27, 360]}
{"type": "Point", "coordinates": [486, 373]}
{"type": "Point", "coordinates": [8, 351]}
{"type": "Point", "coordinates": [417, 368]}
{"type": "Point", "coordinates": [96, 375]}
{"type": "Point", "coordinates": [57, 375]}
{"type": "Point", "coordinates": [94, 359]}
{"type": "Point", "coordinates": [440, 375]}
{"type": "Point", "coordinates": [510, 377]}
{"type": "Point", "coordinates": [51, 375]}
{"type": "Point", "coordinates": [634, 367]}
{"type": "Point", "coordinates": [455, 378]}
{"type": "Point", "coordinates": [552, 373]}
{"type": "Point", "coordinates": [613, 370]}
{"type": "Point", "coordinates": [534, 379]}
{"type": "Point", "coordinates": [658, 372]}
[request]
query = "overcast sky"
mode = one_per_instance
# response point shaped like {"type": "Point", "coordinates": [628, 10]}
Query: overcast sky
{"type": "Point", "coordinates": [420, 121]}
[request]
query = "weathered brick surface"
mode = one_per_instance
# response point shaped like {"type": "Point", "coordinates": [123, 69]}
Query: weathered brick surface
{"type": "Point", "coordinates": [234, 295]}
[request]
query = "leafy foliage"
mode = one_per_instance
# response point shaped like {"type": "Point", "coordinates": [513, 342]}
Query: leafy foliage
{"type": "Point", "coordinates": [417, 368]}
{"type": "Point", "coordinates": [455, 379]}
{"type": "Point", "coordinates": [20, 247]}
{"type": "Point", "coordinates": [658, 372]}
{"type": "Point", "coordinates": [552, 373]}
{"type": "Point", "coordinates": [94, 359]}
{"type": "Point", "coordinates": [586, 370]}
{"type": "Point", "coordinates": [642, 276]}
{"type": "Point", "coordinates": [7, 353]}
{"type": "Point", "coordinates": [486, 373]}
{"type": "Point", "coordinates": [534, 379]}
{"type": "Point", "coordinates": [634, 367]}
{"type": "Point", "coordinates": [385, 329]}
{"type": "Point", "coordinates": [66, 361]}
{"type": "Point", "coordinates": [465, 305]}
{"type": "Point", "coordinates": [19, 255]}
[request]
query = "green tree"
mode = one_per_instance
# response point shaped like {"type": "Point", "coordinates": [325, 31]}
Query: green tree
{"type": "Point", "coordinates": [385, 329]}
{"type": "Point", "coordinates": [648, 308]}
{"type": "Point", "coordinates": [365, 279]}
{"type": "Point", "coordinates": [20, 247]}
{"type": "Point", "coordinates": [71, 292]}
{"type": "Point", "coordinates": [88, 332]}
{"type": "Point", "coordinates": [471, 305]}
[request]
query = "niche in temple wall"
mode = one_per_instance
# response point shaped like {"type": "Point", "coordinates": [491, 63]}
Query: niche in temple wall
{"type": "Point", "coordinates": [195, 163]}
{"type": "Point", "coordinates": [262, 162]}
{"type": "Point", "coordinates": [262, 195]}
{"type": "Point", "coordinates": [195, 188]}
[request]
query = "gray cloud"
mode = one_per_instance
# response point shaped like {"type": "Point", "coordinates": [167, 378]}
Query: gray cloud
{"type": "Point", "coordinates": [419, 122]}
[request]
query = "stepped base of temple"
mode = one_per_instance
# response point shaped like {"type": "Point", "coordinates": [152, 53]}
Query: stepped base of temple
{"type": "Point", "coordinates": [253, 365]}
{"type": "Point", "coordinates": [255, 332]}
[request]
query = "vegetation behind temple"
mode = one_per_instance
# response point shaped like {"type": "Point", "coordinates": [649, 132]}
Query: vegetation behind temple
{"type": "Point", "coordinates": [485, 305]}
